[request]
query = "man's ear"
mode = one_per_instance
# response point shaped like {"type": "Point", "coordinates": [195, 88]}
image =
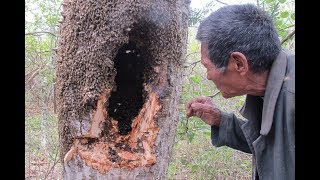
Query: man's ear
{"type": "Point", "coordinates": [239, 62]}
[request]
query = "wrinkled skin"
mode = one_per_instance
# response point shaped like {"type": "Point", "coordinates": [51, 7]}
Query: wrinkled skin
{"type": "Point", "coordinates": [235, 80]}
{"type": "Point", "coordinates": [203, 108]}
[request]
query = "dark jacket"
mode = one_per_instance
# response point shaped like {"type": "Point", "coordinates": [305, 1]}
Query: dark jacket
{"type": "Point", "coordinates": [269, 131]}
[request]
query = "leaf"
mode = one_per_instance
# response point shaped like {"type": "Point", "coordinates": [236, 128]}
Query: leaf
{"type": "Point", "coordinates": [293, 16]}
{"type": "Point", "coordinates": [184, 162]}
{"type": "Point", "coordinates": [190, 136]}
{"type": "Point", "coordinates": [279, 22]}
{"type": "Point", "coordinates": [206, 92]}
{"type": "Point", "coordinates": [245, 163]}
{"type": "Point", "coordinates": [195, 168]}
{"type": "Point", "coordinates": [196, 78]}
{"type": "Point", "coordinates": [282, 1]}
{"type": "Point", "coordinates": [207, 134]}
{"type": "Point", "coordinates": [284, 14]}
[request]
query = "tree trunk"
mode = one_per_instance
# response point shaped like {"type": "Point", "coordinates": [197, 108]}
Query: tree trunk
{"type": "Point", "coordinates": [119, 71]}
{"type": "Point", "coordinates": [44, 121]}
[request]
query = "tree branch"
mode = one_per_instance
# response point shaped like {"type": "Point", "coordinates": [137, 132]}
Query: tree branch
{"type": "Point", "coordinates": [194, 64]}
{"type": "Point", "coordinates": [41, 52]}
{"type": "Point", "coordinates": [221, 2]}
{"type": "Point", "coordinates": [192, 53]}
{"type": "Point", "coordinates": [49, 171]}
{"type": "Point", "coordinates": [32, 76]}
{"type": "Point", "coordinates": [287, 27]}
{"type": "Point", "coordinates": [40, 32]}
{"type": "Point", "coordinates": [288, 37]}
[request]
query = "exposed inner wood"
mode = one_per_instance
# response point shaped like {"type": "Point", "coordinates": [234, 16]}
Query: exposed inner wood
{"type": "Point", "coordinates": [99, 117]}
{"type": "Point", "coordinates": [113, 150]}
{"type": "Point", "coordinates": [70, 154]}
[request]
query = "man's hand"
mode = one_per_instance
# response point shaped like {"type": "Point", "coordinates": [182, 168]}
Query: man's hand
{"type": "Point", "coordinates": [203, 108]}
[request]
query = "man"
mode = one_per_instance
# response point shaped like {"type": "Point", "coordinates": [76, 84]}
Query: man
{"type": "Point", "coordinates": [242, 53]}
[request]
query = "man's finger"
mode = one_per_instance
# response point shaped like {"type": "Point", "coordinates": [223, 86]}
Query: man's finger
{"type": "Point", "coordinates": [201, 99]}
{"type": "Point", "coordinates": [199, 114]}
{"type": "Point", "coordinates": [189, 112]}
{"type": "Point", "coordinates": [206, 108]}
{"type": "Point", "coordinates": [188, 107]}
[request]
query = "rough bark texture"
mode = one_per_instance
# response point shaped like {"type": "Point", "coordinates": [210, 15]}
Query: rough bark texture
{"type": "Point", "coordinates": [118, 85]}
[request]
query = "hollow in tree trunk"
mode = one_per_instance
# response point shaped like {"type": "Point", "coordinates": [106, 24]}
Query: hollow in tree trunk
{"type": "Point", "coordinates": [119, 71]}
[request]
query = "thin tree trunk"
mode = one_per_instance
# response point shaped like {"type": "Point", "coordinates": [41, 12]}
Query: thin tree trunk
{"type": "Point", "coordinates": [54, 98]}
{"type": "Point", "coordinates": [119, 70]}
{"type": "Point", "coordinates": [44, 120]}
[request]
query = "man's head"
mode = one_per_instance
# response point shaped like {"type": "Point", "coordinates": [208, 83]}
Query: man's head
{"type": "Point", "coordinates": [237, 41]}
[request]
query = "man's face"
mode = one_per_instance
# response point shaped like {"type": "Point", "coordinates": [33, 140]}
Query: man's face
{"type": "Point", "coordinates": [229, 82]}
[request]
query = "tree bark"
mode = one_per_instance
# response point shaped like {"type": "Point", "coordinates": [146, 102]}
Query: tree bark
{"type": "Point", "coordinates": [119, 71]}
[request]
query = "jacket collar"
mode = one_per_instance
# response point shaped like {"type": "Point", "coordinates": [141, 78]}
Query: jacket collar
{"type": "Point", "coordinates": [274, 84]}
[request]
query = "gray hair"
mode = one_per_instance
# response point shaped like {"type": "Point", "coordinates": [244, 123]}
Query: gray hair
{"type": "Point", "coordinates": [244, 28]}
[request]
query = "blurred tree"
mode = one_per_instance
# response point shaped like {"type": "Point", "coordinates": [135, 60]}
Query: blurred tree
{"type": "Point", "coordinates": [41, 32]}
{"type": "Point", "coordinates": [196, 14]}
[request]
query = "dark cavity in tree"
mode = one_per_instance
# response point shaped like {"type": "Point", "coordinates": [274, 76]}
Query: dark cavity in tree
{"type": "Point", "coordinates": [127, 100]}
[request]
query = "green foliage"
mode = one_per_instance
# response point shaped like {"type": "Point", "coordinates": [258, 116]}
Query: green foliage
{"type": "Point", "coordinates": [41, 28]}
{"type": "Point", "coordinates": [195, 78]}
{"type": "Point", "coordinates": [201, 160]}
{"type": "Point", "coordinates": [283, 14]}
{"type": "Point", "coordinates": [41, 35]}
{"type": "Point", "coordinates": [197, 14]}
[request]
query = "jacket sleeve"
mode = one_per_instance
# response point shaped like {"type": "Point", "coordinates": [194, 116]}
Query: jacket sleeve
{"type": "Point", "coordinates": [229, 133]}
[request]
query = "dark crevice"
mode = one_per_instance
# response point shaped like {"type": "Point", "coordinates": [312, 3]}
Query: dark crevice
{"type": "Point", "coordinates": [127, 99]}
